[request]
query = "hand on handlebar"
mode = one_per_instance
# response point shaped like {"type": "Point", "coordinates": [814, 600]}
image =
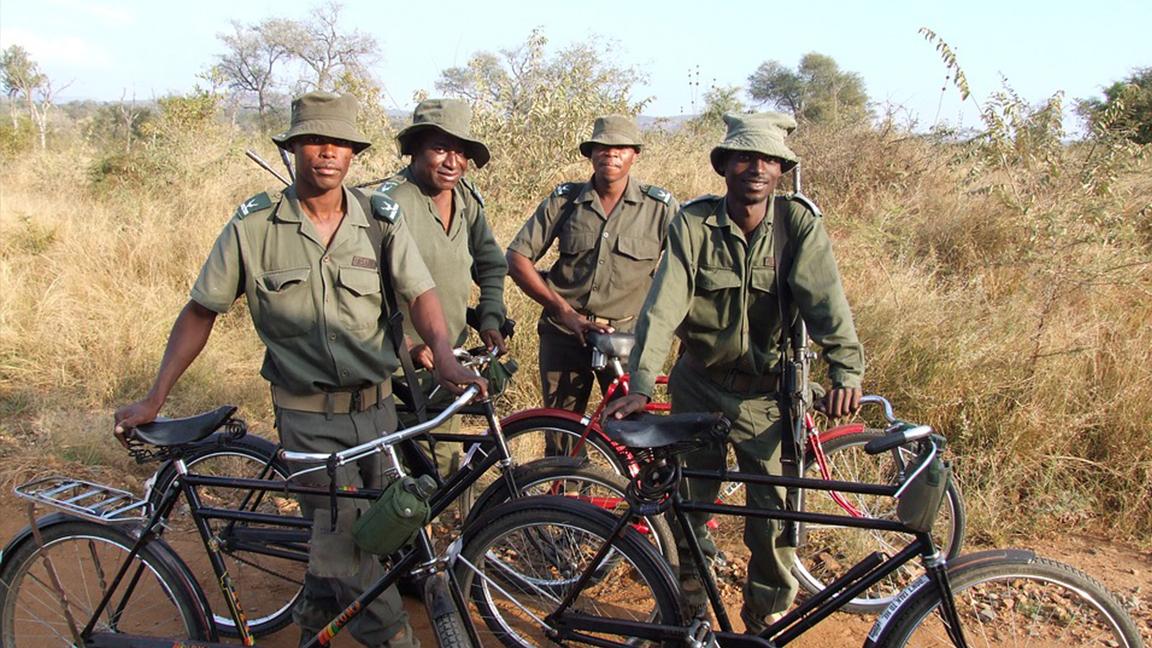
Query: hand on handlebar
{"type": "Point", "coordinates": [842, 401]}
{"type": "Point", "coordinates": [579, 324]}
{"type": "Point", "coordinates": [455, 378]}
{"type": "Point", "coordinates": [492, 339]}
{"type": "Point", "coordinates": [625, 406]}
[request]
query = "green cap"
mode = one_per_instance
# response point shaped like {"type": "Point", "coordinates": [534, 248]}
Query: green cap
{"type": "Point", "coordinates": [758, 133]}
{"type": "Point", "coordinates": [613, 130]}
{"type": "Point", "coordinates": [450, 116]}
{"type": "Point", "coordinates": [327, 115]}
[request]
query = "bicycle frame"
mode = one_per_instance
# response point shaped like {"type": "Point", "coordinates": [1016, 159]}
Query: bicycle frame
{"type": "Point", "coordinates": [575, 626]}
{"type": "Point", "coordinates": [287, 539]}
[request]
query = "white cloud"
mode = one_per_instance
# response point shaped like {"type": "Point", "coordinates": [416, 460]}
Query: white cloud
{"type": "Point", "coordinates": [57, 50]}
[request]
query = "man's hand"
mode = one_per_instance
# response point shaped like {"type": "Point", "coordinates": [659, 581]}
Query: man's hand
{"type": "Point", "coordinates": [842, 401]}
{"type": "Point", "coordinates": [456, 378]}
{"type": "Point", "coordinates": [626, 406]}
{"type": "Point", "coordinates": [579, 324]}
{"type": "Point", "coordinates": [129, 416]}
{"type": "Point", "coordinates": [492, 339]}
{"type": "Point", "coordinates": [422, 356]}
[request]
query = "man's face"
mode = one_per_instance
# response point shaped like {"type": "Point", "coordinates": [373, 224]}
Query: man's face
{"type": "Point", "coordinates": [438, 162]}
{"type": "Point", "coordinates": [751, 177]}
{"type": "Point", "coordinates": [612, 163]}
{"type": "Point", "coordinates": [321, 162]}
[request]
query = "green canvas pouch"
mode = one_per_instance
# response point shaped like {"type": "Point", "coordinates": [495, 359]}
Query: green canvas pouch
{"type": "Point", "coordinates": [394, 518]}
{"type": "Point", "coordinates": [921, 500]}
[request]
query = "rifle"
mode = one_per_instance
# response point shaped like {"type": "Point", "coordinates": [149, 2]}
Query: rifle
{"type": "Point", "coordinates": [252, 155]}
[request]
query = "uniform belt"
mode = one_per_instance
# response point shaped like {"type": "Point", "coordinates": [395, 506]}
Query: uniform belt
{"type": "Point", "coordinates": [605, 321]}
{"type": "Point", "coordinates": [333, 402]}
{"type": "Point", "coordinates": [734, 379]}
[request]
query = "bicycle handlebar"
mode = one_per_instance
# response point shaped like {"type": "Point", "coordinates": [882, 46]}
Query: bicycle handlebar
{"type": "Point", "coordinates": [377, 445]}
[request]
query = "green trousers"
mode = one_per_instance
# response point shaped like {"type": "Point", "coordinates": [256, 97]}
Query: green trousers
{"type": "Point", "coordinates": [338, 571]}
{"type": "Point", "coordinates": [566, 379]}
{"type": "Point", "coordinates": [755, 438]}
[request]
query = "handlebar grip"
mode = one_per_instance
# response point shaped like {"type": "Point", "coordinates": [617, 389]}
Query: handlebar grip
{"type": "Point", "coordinates": [897, 435]}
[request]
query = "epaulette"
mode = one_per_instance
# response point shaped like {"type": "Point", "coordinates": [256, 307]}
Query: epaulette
{"type": "Point", "coordinates": [806, 202]}
{"type": "Point", "coordinates": [254, 204]}
{"type": "Point", "coordinates": [473, 190]}
{"type": "Point", "coordinates": [565, 189]}
{"type": "Point", "coordinates": [659, 193]}
{"type": "Point", "coordinates": [699, 199]}
{"type": "Point", "coordinates": [384, 206]}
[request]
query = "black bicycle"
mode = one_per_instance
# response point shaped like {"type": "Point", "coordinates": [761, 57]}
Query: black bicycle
{"type": "Point", "coordinates": [102, 572]}
{"type": "Point", "coordinates": [550, 570]}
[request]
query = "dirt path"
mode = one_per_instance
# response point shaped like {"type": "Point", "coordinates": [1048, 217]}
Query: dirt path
{"type": "Point", "coordinates": [1124, 570]}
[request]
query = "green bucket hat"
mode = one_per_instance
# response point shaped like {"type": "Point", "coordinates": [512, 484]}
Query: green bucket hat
{"type": "Point", "coordinates": [612, 130]}
{"type": "Point", "coordinates": [450, 116]}
{"type": "Point", "coordinates": [327, 115]}
{"type": "Point", "coordinates": [759, 133]}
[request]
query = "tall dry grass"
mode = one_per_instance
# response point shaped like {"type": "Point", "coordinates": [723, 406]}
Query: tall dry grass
{"type": "Point", "coordinates": [1002, 298]}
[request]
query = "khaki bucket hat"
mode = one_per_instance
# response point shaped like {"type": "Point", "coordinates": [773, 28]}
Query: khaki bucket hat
{"type": "Point", "coordinates": [613, 130]}
{"type": "Point", "coordinates": [325, 114]}
{"type": "Point", "coordinates": [758, 133]}
{"type": "Point", "coordinates": [451, 116]}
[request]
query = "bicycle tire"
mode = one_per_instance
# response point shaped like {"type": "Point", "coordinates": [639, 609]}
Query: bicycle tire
{"type": "Point", "coordinates": [275, 584]}
{"type": "Point", "coordinates": [568, 476]}
{"type": "Point", "coordinates": [1010, 598]}
{"type": "Point", "coordinates": [163, 604]}
{"type": "Point", "coordinates": [600, 451]}
{"type": "Point", "coordinates": [829, 551]}
{"type": "Point", "coordinates": [512, 597]}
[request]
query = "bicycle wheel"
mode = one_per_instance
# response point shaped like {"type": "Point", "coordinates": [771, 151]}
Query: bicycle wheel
{"type": "Point", "coordinates": [829, 551]}
{"type": "Point", "coordinates": [267, 586]}
{"type": "Point", "coordinates": [1012, 598]}
{"type": "Point", "coordinates": [575, 479]}
{"type": "Point", "coordinates": [526, 442]}
{"type": "Point", "coordinates": [85, 557]}
{"type": "Point", "coordinates": [525, 556]}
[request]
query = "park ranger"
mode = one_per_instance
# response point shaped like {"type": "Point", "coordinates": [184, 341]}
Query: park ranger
{"type": "Point", "coordinates": [716, 289]}
{"type": "Point", "coordinates": [445, 214]}
{"type": "Point", "coordinates": [305, 262]}
{"type": "Point", "coordinates": [610, 232]}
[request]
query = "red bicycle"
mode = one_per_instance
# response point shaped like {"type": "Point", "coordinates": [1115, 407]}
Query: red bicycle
{"type": "Point", "coordinates": [836, 453]}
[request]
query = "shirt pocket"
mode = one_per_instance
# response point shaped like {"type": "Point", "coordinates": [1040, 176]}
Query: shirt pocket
{"type": "Point", "coordinates": [287, 308]}
{"type": "Point", "coordinates": [717, 296]}
{"type": "Point", "coordinates": [763, 278]}
{"type": "Point", "coordinates": [358, 298]}
{"type": "Point", "coordinates": [638, 248]}
{"type": "Point", "coordinates": [576, 243]}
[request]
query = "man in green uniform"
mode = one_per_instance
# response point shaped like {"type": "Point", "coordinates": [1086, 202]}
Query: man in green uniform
{"type": "Point", "coordinates": [307, 267]}
{"type": "Point", "coordinates": [611, 231]}
{"type": "Point", "coordinates": [445, 214]}
{"type": "Point", "coordinates": [716, 289]}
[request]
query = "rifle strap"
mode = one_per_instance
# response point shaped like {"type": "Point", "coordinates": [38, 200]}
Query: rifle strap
{"type": "Point", "coordinates": [790, 448]}
{"type": "Point", "coordinates": [393, 316]}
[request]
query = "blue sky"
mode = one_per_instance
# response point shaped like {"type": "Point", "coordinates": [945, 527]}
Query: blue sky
{"type": "Point", "coordinates": [108, 48]}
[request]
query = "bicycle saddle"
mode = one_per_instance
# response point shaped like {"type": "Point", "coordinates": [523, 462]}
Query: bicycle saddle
{"type": "Point", "coordinates": [173, 432]}
{"type": "Point", "coordinates": [613, 345]}
{"type": "Point", "coordinates": [654, 431]}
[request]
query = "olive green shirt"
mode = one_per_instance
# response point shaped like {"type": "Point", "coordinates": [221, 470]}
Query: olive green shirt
{"type": "Point", "coordinates": [467, 252]}
{"type": "Point", "coordinates": [606, 261]}
{"type": "Point", "coordinates": [716, 290]}
{"type": "Point", "coordinates": [317, 310]}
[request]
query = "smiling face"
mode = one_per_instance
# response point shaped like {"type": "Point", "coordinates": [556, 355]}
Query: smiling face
{"type": "Point", "coordinates": [611, 163]}
{"type": "Point", "coordinates": [439, 162]}
{"type": "Point", "coordinates": [751, 177]}
{"type": "Point", "coordinates": [321, 163]}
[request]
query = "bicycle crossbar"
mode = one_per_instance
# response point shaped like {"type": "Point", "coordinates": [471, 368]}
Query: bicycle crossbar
{"type": "Point", "coordinates": [254, 517]}
{"type": "Point", "coordinates": [797, 482]}
{"type": "Point", "coordinates": [796, 516]}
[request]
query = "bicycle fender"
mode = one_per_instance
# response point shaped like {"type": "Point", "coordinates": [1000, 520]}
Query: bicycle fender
{"type": "Point", "coordinates": [880, 627]}
{"type": "Point", "coordinates": [545, 412]}
{"type": "Point", "coordinates": [25, 534]}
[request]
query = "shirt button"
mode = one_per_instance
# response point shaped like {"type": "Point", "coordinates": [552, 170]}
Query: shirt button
{"type": "Point", "coordinates": [332, 336]}
{"type": "Point", "coordinates": [604, 235]}
{"type": "Point", "coordinates": [327, 259]}
{"type": "Point", "coordinates": [600, 262]}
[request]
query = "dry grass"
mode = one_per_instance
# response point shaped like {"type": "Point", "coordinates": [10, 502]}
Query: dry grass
{"type": "Point", "coordinates": [1005, 305]}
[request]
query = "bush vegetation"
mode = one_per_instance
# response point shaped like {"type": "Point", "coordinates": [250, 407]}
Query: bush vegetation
{"type": "Point", "coordinates": [1001, 283]}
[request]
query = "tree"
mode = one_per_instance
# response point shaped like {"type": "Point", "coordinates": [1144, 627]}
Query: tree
{"type": "Point", "coordinates": [21, 77]}
{"type": "Point", "coordinates": [250, 65]}
{"type": "Point", "coordinates": [328, 53]}
{"type": "Point", "coordinates": [1126, 108]}
{"type": "Point", "coordinates": [718, 102]}
{"type": "Point", "coordinates": [818, 90]}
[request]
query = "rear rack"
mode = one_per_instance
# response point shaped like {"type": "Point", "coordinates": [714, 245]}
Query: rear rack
{"type": "Point", "coordinates": [88, 500]}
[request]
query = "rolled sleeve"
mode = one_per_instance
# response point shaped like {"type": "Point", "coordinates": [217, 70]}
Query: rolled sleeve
{"type": "Point", "coordinates": [536, 236]}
